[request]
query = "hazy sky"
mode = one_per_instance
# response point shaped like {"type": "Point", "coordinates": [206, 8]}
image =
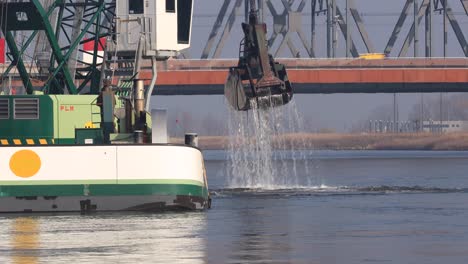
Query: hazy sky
{"type": "Point", "coordinates": [328, 111]}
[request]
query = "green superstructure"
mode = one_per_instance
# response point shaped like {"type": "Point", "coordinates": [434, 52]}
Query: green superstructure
{"type": "Point", "coordinates": [53, 118]}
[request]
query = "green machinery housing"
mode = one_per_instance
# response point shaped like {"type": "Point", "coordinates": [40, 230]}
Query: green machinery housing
{"type": "Point", "coordinates": [61, 119]}
{"type": "Point", "coordinates": [46, 119]}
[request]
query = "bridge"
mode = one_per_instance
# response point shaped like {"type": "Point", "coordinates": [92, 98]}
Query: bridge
{"type": "Point", "coordinates": [329, 29]}
{"type": "Point", "coordinates": [324, 76]}
{"type": "Point", "coordinates": [404, 30]}
{"type": "Point", "coordinates": [318, 76]}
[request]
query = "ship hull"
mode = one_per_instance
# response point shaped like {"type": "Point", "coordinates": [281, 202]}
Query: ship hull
{"type": "Point", "coordinates": [102, 178]}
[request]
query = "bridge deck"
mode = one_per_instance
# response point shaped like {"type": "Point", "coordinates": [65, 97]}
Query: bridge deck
{"type": "Point", "coordinates": [326, 76]}
{"type": "Point", "coordinates": [318, 76]}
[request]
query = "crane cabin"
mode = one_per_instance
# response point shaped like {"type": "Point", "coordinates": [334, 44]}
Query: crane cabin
{"type": "Point", "coordinates": [158, 28]}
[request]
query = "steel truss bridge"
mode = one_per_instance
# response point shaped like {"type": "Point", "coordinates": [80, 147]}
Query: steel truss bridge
{"type": "Point", "coordinates": [296, 28]}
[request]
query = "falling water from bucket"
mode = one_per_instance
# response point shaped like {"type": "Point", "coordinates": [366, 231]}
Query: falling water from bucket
{"type": "Point", "coordinates": [259, 154]}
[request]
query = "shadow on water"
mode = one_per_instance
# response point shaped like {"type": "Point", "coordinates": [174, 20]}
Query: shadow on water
{"type": "Point", "coordinates": [256, 241]}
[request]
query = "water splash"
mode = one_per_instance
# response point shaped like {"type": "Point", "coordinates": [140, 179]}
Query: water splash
{"type": "Point", "coordinates": [262, 149]}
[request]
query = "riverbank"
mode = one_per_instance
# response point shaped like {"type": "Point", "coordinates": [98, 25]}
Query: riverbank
{"type": "Point", "coordinates": [354, 141]}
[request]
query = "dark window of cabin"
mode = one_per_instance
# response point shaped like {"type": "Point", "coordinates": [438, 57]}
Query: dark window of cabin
{"type": "Point", "coordinates": [135, 7]}
{"type": "Point", "coordinates": [184, 19]}
{"type": "Point", "coordinates": [170, 6]}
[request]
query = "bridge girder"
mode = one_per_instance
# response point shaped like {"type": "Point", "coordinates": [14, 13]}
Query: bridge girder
{"type": "Point", "coordinates": [343, 17]}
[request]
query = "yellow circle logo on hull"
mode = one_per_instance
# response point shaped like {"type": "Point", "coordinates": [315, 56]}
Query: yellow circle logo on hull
{"type": "Point", "coordinates": [25, 163]}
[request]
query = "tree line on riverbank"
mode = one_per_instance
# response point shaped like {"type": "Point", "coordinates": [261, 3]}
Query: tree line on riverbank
{"type": "Point", "coordinates": [352, 141]}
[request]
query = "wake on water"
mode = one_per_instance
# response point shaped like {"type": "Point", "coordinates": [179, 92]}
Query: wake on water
{"type": "Point", "coordinates": [253, 161]}
{"type": "Point", "coordinates": [332, 191]}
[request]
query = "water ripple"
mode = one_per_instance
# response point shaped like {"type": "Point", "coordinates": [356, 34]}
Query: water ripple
{"type": "Point", "coordinates": [330, 190]}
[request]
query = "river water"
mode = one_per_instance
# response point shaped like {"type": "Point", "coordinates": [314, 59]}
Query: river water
{"type": "Point", "coordinates": [350, 207]}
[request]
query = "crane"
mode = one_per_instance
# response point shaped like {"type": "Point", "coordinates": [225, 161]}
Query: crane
{"type": "Point", "coordinates": [56, 30]}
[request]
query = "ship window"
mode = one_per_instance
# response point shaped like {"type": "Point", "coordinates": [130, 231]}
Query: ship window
{"type": "Point", "coordinates": [26, 108]}
{"type": "Point", "coordinates": [170, 6]}
{"type": "Point", "coordinates": [4, 108]}
{"type": "Point", "coordinates": [135, 6]}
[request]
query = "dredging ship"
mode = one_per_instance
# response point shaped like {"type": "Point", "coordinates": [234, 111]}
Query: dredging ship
{"type": "Point", "coordinates": [79, 135]}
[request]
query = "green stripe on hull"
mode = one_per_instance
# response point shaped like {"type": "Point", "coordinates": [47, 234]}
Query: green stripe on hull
{"type": "Point", "coordinates": [103, 190]}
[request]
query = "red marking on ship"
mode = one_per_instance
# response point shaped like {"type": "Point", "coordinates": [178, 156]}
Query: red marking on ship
{"type": "Point", "coordinates": [67, 108]}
